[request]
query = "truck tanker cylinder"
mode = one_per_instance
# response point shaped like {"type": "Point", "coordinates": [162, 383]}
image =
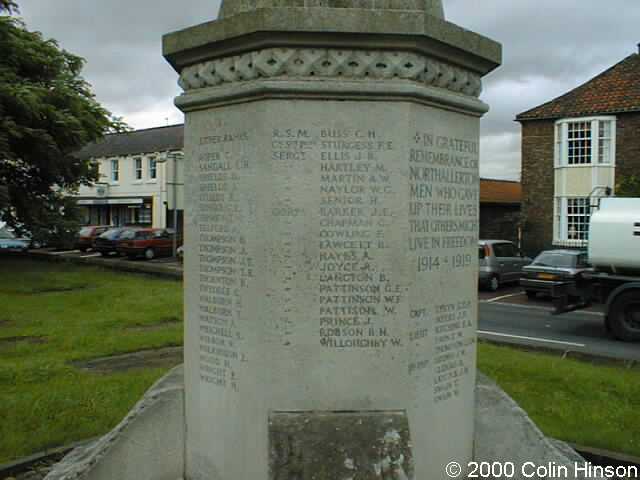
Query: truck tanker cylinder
{"type": "Point", "coordinates": [614, 236]}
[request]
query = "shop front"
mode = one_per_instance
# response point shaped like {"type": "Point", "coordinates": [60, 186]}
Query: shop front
{"type": "Point", "coordinates": [117, 211]}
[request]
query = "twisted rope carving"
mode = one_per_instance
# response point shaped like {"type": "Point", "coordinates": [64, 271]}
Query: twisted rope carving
{"type": "Point", "coordinates": [330, 63]}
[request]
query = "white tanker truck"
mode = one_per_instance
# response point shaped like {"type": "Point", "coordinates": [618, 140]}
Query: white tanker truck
{"type": "Point", "coordinates": [614, 253]}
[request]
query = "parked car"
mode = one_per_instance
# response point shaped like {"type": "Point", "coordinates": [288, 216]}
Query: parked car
{"type": "Point", "coordinates": [107, 242]}
{"type": "Point", "coordinates": [553, 267]}
{"type": "Point", "coordinates": [87, 236]}
{"type": "Point", "coordinates": [500, 262]}
{"type": "Point", "coordinates": [147, 242]}
{"type": "Point", "coordinates": [10, 243]}
{"type": "Point", "coordinates": [13, 245]}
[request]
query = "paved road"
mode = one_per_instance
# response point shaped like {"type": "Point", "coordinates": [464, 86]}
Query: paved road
{"type": "Point", "coordinates": [533, 324]}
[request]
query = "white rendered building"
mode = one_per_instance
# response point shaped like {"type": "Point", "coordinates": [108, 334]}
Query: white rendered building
{"type": "Point", "coordinates": [141, 179]}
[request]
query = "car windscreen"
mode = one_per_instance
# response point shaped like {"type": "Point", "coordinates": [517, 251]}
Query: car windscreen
{"type": "Point", "coordinates": [561, 260]}
{"type": "Point", "coordinates": [127, 235]}
{"type": "Point", "coordinates": [112, 234]}
{"type": "Point", "coordinates": [86, 231]}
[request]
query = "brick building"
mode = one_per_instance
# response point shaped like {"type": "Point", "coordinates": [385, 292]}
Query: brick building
{"type": "Point", "coordinates": [500, 209]}
{"type": "Point", "coordinates": [574, 148]}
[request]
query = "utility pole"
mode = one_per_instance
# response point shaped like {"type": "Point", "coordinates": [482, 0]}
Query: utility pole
{"type": "Point", "coordinates": [175, 156]}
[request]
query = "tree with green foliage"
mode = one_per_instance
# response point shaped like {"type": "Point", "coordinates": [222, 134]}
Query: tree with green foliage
{"type": "Point", "coordinates": [628, 187]}
{"type": "Point", "coordinates": [47, 113]}
{"type": "Point", "coordinates": [8, 6]}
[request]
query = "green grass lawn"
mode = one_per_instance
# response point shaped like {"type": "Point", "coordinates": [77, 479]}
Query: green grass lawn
{"type": "Point", "coordinates": [588, 404]}
{"type": "Point", "coordinates": [80, 313]}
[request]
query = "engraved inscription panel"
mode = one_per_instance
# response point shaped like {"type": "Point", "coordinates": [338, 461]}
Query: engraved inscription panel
{"type": "Point", "coordinates": [225, 266]}
{"type": "Point", "coordinates": [331, 267]}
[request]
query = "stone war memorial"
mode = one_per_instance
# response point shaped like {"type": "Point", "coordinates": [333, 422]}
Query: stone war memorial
{"type": "Point", "coordinates": [330, 286]}
{"type": "Point", "coordinates": [331, 230]}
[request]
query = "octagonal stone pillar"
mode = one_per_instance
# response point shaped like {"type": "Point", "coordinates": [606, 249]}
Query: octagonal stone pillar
{"type": "Point", "coordinates": [331, 231]}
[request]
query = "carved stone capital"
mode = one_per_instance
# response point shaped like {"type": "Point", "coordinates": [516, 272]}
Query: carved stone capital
{"type": "Point", "coordinates": [330, 65]}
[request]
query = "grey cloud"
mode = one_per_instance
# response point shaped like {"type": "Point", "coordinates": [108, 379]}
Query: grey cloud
{"type": "Point", "coordinates": [550, 47]}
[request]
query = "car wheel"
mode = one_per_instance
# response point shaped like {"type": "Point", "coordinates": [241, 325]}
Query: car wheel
{"type": "Point", "coordinates": [624, 316]}
{"type": "Point", "coordinates": [149, 254]}
{"type": "Point", "coordinates": [494, 283]}
{"type": "Point", "coordinates": [83, 249]}
{"type": "Point", "coordinates": [104, 254]}
{"type": "Point", "coordinates": [131, 256]}
{"type": "Point", "coordinates": [531, 294]}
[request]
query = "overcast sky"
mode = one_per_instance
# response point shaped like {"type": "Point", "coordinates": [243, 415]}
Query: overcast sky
{"type": "Point", "coordinates": [550, 47]}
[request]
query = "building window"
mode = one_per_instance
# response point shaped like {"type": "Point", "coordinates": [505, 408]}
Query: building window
{"type": "Point", "coordinates": [604, 142]}
{"type": "Point", "coordinates": [137, 165]}
{"type": "Point", "coordinates": [144, 215]}
{"type": "Point", "coordinates": [153, 169]}
{"type": "Point", "coordinates": [587, 141]}
{"type": "Point", "coordinates": [571, 221]}
{"type": "Point", "coordinates": [579, 143]}
{"type": "Point", "coordinates": [578, 215]}
{"type": "Point", "coordinates": [115, 170]}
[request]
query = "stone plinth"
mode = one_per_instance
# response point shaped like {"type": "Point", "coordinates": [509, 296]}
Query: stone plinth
{"type": "Point", "coordinates": [330, 241]}
{"type": "Point", "coordinates": [144, 445]}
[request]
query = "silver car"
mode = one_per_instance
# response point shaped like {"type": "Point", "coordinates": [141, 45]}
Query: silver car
{"type": "Point", "coordinates": [553, 267]}
{"type": "Point", "coordinates": [500, 262]}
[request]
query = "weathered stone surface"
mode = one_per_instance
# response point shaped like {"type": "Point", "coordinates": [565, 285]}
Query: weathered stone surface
{"type": "Point", "coordinates": [432, 7]}
{"type": "Point", "coordinates": [331, 251]}
{"type": "Point", "coordinates": [340, 445]}
{"type": "Point", "coordinates": [503, 432]}
{"type": "Point", "coordinates": [147, 445]}
{"type": "Point", "coordinates": [331, 227]}
{"type": "Point", "coordinates": [323, 27]}
{"type": "Point", "coordinates": [335, 65]}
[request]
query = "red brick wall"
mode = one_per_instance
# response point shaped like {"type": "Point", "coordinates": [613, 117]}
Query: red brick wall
{"type": "Point", "coordinates": [538, 174]}
{"type": "Point", "coordinates": [627, 144]}
{"type": "Point", "coordinates": [499, 222]}
{"type": "Point", "coordinates": [537, 185]}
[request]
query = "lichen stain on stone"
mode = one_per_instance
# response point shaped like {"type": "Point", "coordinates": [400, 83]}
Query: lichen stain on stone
{"type": "Point", "coordinates": [340, 446]}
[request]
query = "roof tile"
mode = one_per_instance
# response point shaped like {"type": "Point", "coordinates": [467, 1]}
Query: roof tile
{"type": "Point", "coordinates": [500, 191]}
{"type": "Point", "coordinates": [616, 90]}
{"type": "Point", "coordinates": [149, 140]}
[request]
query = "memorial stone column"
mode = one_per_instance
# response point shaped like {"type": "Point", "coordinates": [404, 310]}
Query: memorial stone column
{"type": "Point", "coordinates": [331, 228]}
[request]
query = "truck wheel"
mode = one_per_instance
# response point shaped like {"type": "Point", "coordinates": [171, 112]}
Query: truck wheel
{"type": "Point", "coordinates": [494, 283]}
{"type": "Point", "coordinates": [624, 316]}
{"type": "Point", "coordinates": [149, 254]}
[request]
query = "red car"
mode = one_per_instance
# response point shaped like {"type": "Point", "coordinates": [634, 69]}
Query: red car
{"type": "Point", "coordinates": [88, 235]}
{"type": "Point", "coordinates": [147, 242]}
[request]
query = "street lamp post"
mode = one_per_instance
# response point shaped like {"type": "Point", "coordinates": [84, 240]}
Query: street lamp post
{"type": "Point", "coordinates": [175, 156]}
